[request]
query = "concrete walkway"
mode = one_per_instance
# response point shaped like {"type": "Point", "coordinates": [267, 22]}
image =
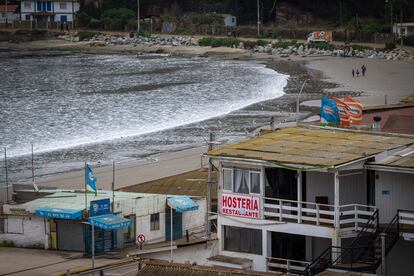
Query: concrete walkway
{"type": "Point", "coordinates": [22, 261]}
{"type": "Point", "coordinates": [127, 174]}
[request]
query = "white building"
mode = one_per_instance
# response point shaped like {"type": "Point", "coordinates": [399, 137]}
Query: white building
{"type": "Point", "coordinates": [54, 220]}
{"type": "Point", "coordinates": [229, 20]}
{"type": "Point", "coordinates": [403, 29]}
{"type": "Point", "coordinates": [9, 13]}
{"type": "Point", "coordinates": [48, 11]}
{"type": "Point", "coordinates": [298, 199]}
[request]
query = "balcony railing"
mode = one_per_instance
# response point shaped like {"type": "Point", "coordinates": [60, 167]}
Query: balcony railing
{"type": "Point", "coordinates": [286, 265]}
{"type": "Point", "coordinates": [351, 216]}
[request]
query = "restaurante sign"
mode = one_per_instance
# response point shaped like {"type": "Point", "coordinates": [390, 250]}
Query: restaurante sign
{"type": "Point", "coordinates": [240, 206]}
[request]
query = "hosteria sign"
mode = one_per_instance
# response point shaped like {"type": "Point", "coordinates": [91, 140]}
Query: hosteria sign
{"type": "Point", "coordinates": [240, 206]}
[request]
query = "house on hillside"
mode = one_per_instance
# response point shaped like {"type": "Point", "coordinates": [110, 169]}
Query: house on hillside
{"type": "Point", "coordinates": [308, 198]}
{"type": "Point", "coordinates": [229, 20]}
{"type": "Point", "coordinates": [9, 14]}
{"type": "Point", "coordinates": [403, 29]}
{"type": "Point", "coordinates": [48, 11]}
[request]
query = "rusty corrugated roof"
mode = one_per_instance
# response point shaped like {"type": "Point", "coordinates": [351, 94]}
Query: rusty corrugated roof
{"type": "Point", "coordinates": [192, 183]}
{"type": "Point", "coordinates": [314, 147]}
{"type": "Point", "coordinates": [161, 268]}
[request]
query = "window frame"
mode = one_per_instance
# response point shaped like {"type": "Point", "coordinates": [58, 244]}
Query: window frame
{"type": "Point", "coordinates": [231, 182]}
{"type": "Point", "coordinates": [250, 182]}
{"type": "Point", "coordinates": [242, 234]}
{"type": "Point", "coordinates": [155, 222]}
{"type": "Point", "coordinates": [63, 5]}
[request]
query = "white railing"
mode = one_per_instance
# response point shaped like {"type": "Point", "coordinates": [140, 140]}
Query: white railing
{"type": "Point", "coordinates": [406, 217]}
{"type": "Point", "coordinates": [351, 216]}
{"type": "Point", "coordinates": [286, 265]}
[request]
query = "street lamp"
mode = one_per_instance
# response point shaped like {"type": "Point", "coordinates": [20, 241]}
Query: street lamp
{"type": "Point", "coordinates": [297, 99]}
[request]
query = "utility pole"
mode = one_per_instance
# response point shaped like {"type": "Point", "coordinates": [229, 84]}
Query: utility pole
{"type": "Point", "coordinates": [258, 18]}
{"type": "Point", "coordinates": [113, 186]}
{"type": "Point", "coordinates": [209, 180]}
{"type": "Point", "coordinates": [6, 15]}
{"type": "Point", "coordinates": [401, 25]}
{"type": "Point", "coordinates": [138, 17]}
{"type": "Point", "coordinates": [33, 175]}
{"type": "Point", "coordinates": [340, 13]}
{"type": "Point", "coordinates": [7, 176]}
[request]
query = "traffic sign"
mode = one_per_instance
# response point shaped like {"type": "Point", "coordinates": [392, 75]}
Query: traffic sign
{"type": "Point", "coordinates": [141, 238]}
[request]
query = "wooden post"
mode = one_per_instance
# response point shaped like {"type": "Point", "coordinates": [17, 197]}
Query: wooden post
{"type": "Point", "coordinates": [7, 175]}
{"type": "Point", "coordinates": [113, 186]}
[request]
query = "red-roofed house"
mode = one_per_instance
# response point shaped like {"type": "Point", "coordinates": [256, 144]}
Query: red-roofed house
{"type": "Point", "coordinates": [9, 13]}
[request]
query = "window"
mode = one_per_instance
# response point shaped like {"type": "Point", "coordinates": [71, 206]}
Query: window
{"type": "Point", "coordinates": [49, 6]}
{"type": "Point", "coordinates": [27, 17]}
{"type": "Point", "coordinates": [15, 225]}
{"type": "Point", "coordinates": [255, 182]}
{"type": "Point", "coordinates": [39, 6]}
{"type": "Point", "coordinates": [233, 19]}
{"type": "Point", "coordinates": [244, 240]}
{"type": "Point", "coordinates": [155, 222]}
{"type": "Point", "coordinates": [62, 6]}
{"type": "Point", "coordinates": [27, 5]}
{"type": "Point", "coordinates": [241, 180]}
{"type": "Point", "coordinates": [227, 179]}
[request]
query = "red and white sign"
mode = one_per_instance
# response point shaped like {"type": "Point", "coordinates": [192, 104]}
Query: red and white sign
{"type": "Point", "coordinates": [141, 238]}
{"type": "Point", "coordinates": [240, 205]}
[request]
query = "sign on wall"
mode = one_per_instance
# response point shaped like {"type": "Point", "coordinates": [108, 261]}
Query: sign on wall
{"type": "Point", "coordinates": [100, 207]}
{"type": "Point", "coordinates": [240, 205]}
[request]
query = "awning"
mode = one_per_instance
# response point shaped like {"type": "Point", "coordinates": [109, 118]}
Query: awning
{"type": "Point", "coordinates": [109, 222]}
{"type": "Point", "coordinates": [58, 213]}
{"type": "Point", "coordinates": [182, 204]}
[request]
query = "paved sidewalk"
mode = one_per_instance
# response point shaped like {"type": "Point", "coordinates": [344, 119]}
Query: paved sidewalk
{"type": "Point", "coordinates": [22, 261]}
{"type": "Point", "coordinates": [127, 174]}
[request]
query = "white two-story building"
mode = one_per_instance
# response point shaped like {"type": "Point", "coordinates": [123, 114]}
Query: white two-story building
{"type": "Point", "coordinates": [62, 11]}
{"type": "Point", "coordinates": [305, 199]}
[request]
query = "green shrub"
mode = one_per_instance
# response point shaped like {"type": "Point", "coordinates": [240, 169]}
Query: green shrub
{"type": "Point", "coordinates": [205, 19]}
{"type": "Point", "coordinates": [117, 19]}
{"type": "Point", "coordinates": [389, 46]}
{"type": "Point", "coordinates": [95, 23]}
{"type": "Point", "coordinates": [322, 46]}
{"type": "Point", "coordinates": [249, 44]}
{"type": "Point", "coordinates": [7, 244]}
{"type": "Point", "coordinates": [218, 42]}
{"type": "Point", "coordinates": [83, 18]}
{"type": "Point", "coordinates": [408, 40]}
{"type": "Point", "coordinates": [261, 42]}
{"type": "Point", "coordinates": [286, 44]}
{"type": "Point", "coordinates": [87, 35]}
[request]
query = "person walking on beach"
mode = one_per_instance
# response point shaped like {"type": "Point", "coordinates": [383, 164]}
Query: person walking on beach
{"type": "Point", "coordinates": [357, 72]}
{"type": "Point", "coordinates": [363, 69]}
{"type": "Point", "coordinates": [353, 73]}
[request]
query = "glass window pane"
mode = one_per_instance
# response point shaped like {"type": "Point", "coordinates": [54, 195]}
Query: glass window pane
{"type": "Point", "coordinates": [231, 238]}
{"type": "Point", "coordinates": [241, 180]}
{"type": "Point", "coordinates": [227, 179]}
{"type": "Point", "coordinates": [255, 182]}
{"type": "Point", "coordinates": [256, 241]}
{"type": "Point", "coordinates": [245, 242]}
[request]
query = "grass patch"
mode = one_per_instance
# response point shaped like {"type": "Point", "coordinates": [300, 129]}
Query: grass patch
{"type": "Point", "coordinates": [219, 42]}
{"type": "Point", "coordinates": [322, 46]}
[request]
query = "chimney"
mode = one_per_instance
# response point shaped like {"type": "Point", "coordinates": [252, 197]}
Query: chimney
{"type": "Point", "coordinates": [377, 123]}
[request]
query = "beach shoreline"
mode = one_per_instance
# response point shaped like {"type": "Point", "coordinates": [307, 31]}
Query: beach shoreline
{"type": "Point", "coordinates": [327, 74]}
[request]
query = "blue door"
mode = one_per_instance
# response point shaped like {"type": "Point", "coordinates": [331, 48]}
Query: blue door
{"type": "Point", "coordinates": [64, 18]}
{"type": "Point", "coordinates": [105, 241]}
{"type": "Point", "coordinates": [177, 225]}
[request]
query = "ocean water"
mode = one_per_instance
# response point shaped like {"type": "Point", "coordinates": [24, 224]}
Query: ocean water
{"type": "Point", "coordinates": [76, 107]}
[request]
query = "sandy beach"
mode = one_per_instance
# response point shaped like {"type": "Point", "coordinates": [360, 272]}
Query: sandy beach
{"type": "Point", "coordinates": [391, 78]}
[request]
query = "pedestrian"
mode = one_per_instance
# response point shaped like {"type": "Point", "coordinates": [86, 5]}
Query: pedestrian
{"type": "Point", "coordinates": [353, 73]}
{"type": "Point", "coordinates": [363, 69]}
{"type": "Point", "coordinates": [357, 72]}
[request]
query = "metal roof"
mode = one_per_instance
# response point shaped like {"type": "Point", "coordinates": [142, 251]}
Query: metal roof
{"type": "Point", "coordinates": [400, 159]}
{"type": "Point", "coordinates": [192, 183]}
{"type": "Point", "coordinates": [315, 147]}
{"type": "Point", "coordinates": [75, 199]}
